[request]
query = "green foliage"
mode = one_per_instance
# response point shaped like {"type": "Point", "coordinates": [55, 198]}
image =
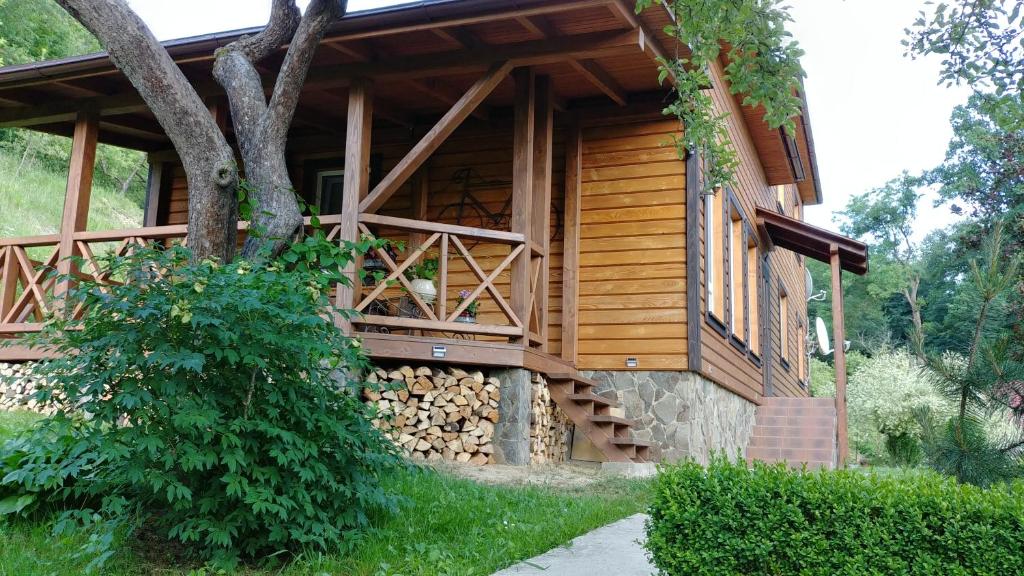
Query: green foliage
{"type": "Point", "coordinates": [823, 379]}
{"type": "Point", "coordinates": [983, 385]}
{"type": "Point", "coordinates": [983, 172]}
{"type": "Point", "coordinates": [904, 450]}
{"type": "Point", "coordinates": [218, 404]}
{"type": "Point", "coordinates": [981, 42]}
{"type": "Point", "coordinates": [425, 268]}
{"type": "Point", "coordinates": [763, 66]}
{"type": "Point", "coordinates": [33, 198]}
{"type": "Point", "coordinates": [727, 519]}
{"type": "Point", "coordinates": [33, 30]}
{"type": "Point", "coordinates": [442, 526]}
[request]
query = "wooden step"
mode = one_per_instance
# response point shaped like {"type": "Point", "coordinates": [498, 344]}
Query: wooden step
{"type": "Point", "coordinates": [632, 442]}
{"type": "Point", "coordinates": [591, 397]}
{"type": "Point", "coordinates": [607, 419]}
{"type": "Point", "coordinates": [580, 384]}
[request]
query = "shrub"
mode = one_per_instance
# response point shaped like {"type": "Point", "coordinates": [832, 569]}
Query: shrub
{"type": "Point", "coordinates": [727, 519]}
{"type": "Point", "coordinates": [884, 395]}
{"type": "Point", "coordinates": [218, 403]}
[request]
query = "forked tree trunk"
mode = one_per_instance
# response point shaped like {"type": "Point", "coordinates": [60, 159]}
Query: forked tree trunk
{"type": "Point", "coordinates": [261, 127]}
{"type": "Point", "coordinates": [207, 158]}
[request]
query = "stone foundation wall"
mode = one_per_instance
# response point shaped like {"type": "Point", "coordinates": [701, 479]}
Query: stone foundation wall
{"type": "Point", "coordinates": [18, 388]}
{"type": "Point", "coordinates": [684, 414]}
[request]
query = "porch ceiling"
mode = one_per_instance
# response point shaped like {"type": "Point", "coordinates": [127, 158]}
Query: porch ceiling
{"type": "Point", "coordinates": [421, 56]}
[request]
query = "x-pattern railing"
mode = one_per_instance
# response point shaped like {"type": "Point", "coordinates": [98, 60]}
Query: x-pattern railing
{"type": "Point", "coordinates": [442, 238]}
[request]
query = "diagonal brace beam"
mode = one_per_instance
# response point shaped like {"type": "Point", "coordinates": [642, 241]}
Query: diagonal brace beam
{"type": "Point", "coordinates": [437, 135]}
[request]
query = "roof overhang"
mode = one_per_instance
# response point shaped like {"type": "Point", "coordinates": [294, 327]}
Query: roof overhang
{"type": "Point", "coordinates": [779, 230]}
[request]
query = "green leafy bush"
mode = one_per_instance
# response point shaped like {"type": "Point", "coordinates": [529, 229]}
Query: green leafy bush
{"type": "Point", "coordinates": [728, 519]}
{"type": "Point", "coordinates": [216, 403]}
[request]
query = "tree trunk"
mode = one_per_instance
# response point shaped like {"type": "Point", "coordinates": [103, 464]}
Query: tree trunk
{"type": "Point", "coordinates": [207, 158]}
{"type": "Point", "coordinates": [261, 128]}
{"type": "Point", "coordinates": [917, 334]}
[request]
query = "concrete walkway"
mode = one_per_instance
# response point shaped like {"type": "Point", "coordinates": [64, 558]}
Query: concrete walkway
{"type": "Point", "coordinates": [614, 550]}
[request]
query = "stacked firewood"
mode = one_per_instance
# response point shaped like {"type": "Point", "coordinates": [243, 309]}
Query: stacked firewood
{"type": "Point", "coordinates": [549, 426]}
{"type": "Point", "coordinates": [434, 414]}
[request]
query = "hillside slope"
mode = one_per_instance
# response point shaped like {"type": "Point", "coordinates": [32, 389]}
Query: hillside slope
{"type": "Point", "coordinates": [32, 200]}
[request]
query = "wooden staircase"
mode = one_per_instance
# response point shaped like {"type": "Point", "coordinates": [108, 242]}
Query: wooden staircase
{"type": "Point", "coordinates": [591, 414]}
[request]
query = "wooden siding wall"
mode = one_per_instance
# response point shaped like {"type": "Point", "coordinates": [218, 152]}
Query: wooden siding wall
{"type": "Point", "coordinates": [721, 361]}
{"type": "Point", "coordinates": [487, 153]}
{"type": "Point", "coordinates": [632, 300]}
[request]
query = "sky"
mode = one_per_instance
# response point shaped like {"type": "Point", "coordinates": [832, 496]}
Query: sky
{"type": "Point", "coordinates": [874, 112]}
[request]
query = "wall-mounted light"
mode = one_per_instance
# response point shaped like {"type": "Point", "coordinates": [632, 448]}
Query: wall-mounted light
{"type": "Point", "coordinates": [632, 362]}
{"type": "Point", "coordinates": [439, 351]}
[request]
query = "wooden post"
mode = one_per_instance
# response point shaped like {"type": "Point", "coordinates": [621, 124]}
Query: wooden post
{"type": "Point", "coordinates": [420, 202]}
{"type": "Point", "coordinates": [571, 244]}
{"type": "Point", "coordinates": [357, 182]}
{"type": "Point", "coordinates": [541, 210]}
{"type": "Point", "coordinates": [522, 191]}
{"type": "Point", "coordinates": [154, 186]}
{"type": "Point", "coordinates": [839, 338]}
{"type": "Point", "coordinates": [79, 190]}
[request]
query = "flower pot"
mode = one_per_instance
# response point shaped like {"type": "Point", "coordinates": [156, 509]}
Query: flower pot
{"type": "Point", "coordinates": [425, 289]}
{"type": "Point", "coordinates": [466, 318]}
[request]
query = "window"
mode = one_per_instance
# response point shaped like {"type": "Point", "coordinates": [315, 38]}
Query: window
{"type": "Point", "coordinates": [784, 326]}
{"type": "Point", "coordinates": [732, 274]}
{"type": "Point", "coordinates": [753, 302]}
{"type": "Point", "coordinates": [714, 257]}
{"type": "Point", "coordinates": [780, 197]}
{"type": "Point", "coordinates": [330, 186]}
{"type": "Point", "coordinates": [737, 253]}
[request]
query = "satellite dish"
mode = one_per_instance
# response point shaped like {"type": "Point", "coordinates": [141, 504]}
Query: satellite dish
{"type": "Point", "coordinates": [823, 343]}
{"type": "Point", "coordinates": [822, 331]}
{"type": "Point", "coordinates": [810, 282]}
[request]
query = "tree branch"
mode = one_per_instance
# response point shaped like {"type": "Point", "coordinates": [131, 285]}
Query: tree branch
{"type": "Point", "coordinates": [284, 20]}
{"type": "Point", "coordinates": [320, 14]}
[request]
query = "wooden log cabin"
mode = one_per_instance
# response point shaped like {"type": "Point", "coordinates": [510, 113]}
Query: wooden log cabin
{"type": "Point", "coordinates": [520, 146]}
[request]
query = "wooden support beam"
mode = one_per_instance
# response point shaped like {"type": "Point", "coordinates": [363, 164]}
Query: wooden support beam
{"type": "Point", "coordinates": [435, 137]}
{"type": "Point", "coordinates": [357, 183]}
{"type": "Point", "coordinates": [541, 210]}
{"type": "Point", "coordinates": [648, 40]}
{"type": "Point", "coordinates": [531, 53]}
{"type": "Point", "coordinates": [541, 27]}
{"type": "Point", "coordinates": [79, 190]}
{"type": "Point", "coordinates": [67, 110]}
{"type": "Point", "coordinates": [571, 243]}
{"type": "Point", "coordinates": [597, 76]}
{"type": "Point", "coordinates": [839, 344]}
{"type": "Point", "coordinates": [524, 123]}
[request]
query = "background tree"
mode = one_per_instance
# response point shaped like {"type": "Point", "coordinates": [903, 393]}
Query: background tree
{"type": "Point", "coordinates": [885, 218]}
{"type": "Point", "coordinates": [261, 126]}
{"type": "Point", "coordinates": [983, 383]}
{"type": "Point", "coordinates": [981, 42]}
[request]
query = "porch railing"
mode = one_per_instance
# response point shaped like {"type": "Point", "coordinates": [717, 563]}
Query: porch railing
{"type": "Point", "coordinates": [461, 252]}
{"type": "Point", "coordinates": [475, 262]}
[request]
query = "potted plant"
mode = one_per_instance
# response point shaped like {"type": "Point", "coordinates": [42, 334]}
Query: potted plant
{"type": "Point", "coordinates": [374, 267]}
{"type": "Point", "coordinates": [422, 275]}
{"type": "Point", "coordinates": [468, 316]}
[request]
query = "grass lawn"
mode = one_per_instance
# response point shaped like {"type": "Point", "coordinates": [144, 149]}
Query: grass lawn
{"type": "Point", "coordinates": [446, 527]}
